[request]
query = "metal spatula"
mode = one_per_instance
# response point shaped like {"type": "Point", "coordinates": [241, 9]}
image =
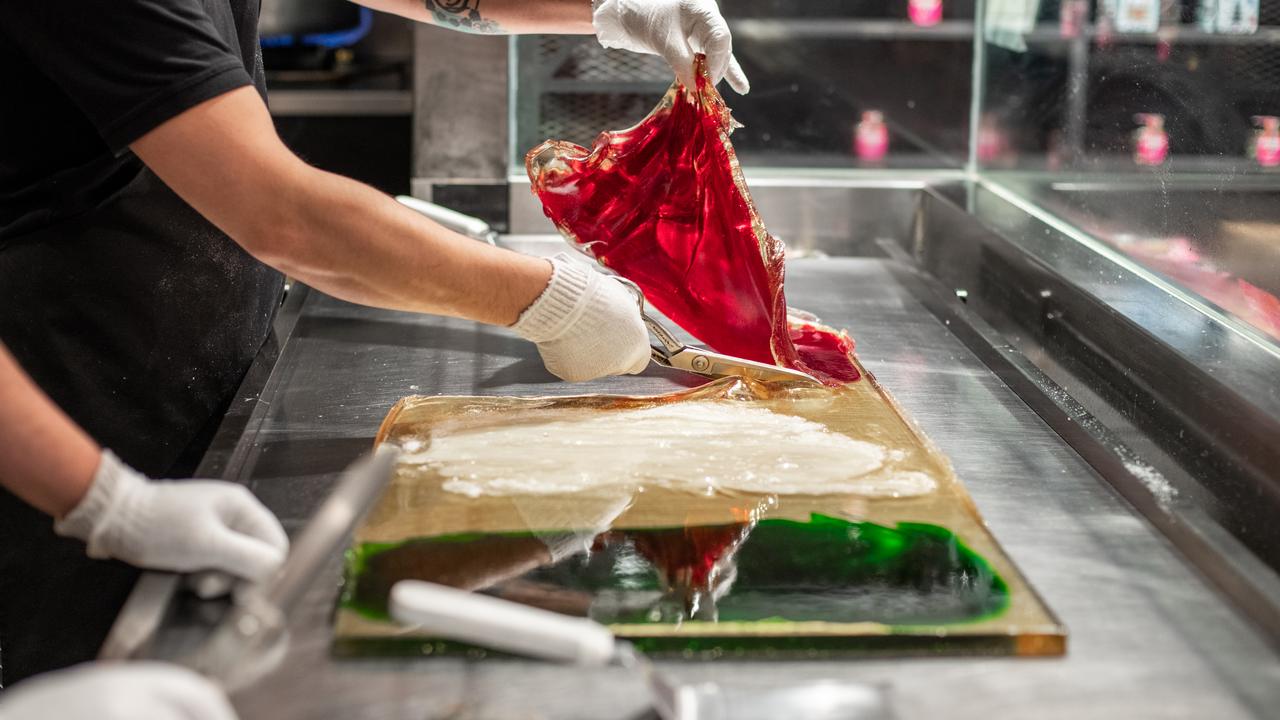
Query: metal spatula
{"type": "Point", "coordinates": [511, 627]}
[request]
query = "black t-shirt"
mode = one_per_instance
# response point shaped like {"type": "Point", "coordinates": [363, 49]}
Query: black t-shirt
{"type": "Point", "coordinates": [133, 312]}
{"type": "Point", "coordinates": [81, 79]}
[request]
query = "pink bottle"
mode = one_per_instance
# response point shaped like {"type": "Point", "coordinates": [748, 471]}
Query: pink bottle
{"type": "Point", "coordinates": [992, 144]}
{"type": "Point", "coordinates": [871, 138]}
{"type": "Point", "coordinates": [1104, 28]}
{"type": "Point", "coordinates": [924, 12]}
{"type": "Point", "coordinates": [1073, 16]}
{"type": "Point", "coordinates": [1266, 143]}
{"type": "Point", "coordinates": [1151, 145]}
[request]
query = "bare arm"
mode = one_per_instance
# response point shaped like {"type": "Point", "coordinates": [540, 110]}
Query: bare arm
{"type": "Point", "coordinates": [489, 17]}
{"type": "Point", "coordinates": [45, 458]}
{"type": "Point", "coordinates": [52, 464]}
{"type": "Point", "coordinates": [337, 235]}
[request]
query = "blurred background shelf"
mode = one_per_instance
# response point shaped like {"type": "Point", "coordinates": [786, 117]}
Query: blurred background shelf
{"type": "Point", "coordinates": [1181, 34]}
{"type": "Point", "coordinates": [789, 29]}
{"type": "Point", "coordinates": [848, 28]}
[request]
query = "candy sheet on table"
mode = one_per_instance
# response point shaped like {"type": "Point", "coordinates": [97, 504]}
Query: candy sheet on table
{"type": "Point", "coordinates": [678, 557]}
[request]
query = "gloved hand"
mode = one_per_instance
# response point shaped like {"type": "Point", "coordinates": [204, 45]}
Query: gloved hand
{"type": "Point", "coordinates": [134, 691]}
{"type": "Point", "coordinates": [180, 526]}
{"type": "Point", "coordinates": [674, 29]}
{"type": "Point", "coordinates": [586, 325]}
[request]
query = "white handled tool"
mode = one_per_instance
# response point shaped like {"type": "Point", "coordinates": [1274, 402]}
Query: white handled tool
{"type": "Point", "coordinates": [453, 614]}
{"type": "Point", "coordinates": [472, 227]}
{"type": "Point", "coordinates": [500, 624]}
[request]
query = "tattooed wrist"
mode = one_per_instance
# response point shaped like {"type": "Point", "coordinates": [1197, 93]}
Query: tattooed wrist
{"type": "Point", "coordinates": [462, 15]}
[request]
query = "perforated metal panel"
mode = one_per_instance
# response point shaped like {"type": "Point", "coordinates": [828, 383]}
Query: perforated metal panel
{"type": "Point", "coordinates": [1255, 63]}
{"type": "Point", "coordinates": [581, 117]}
{"type": "Point", "coordinates": [591, 62]}
{"type": "Point", "coordinates": [571, 88]}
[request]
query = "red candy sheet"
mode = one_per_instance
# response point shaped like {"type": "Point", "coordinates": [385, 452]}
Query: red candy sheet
{"type": "Point", "coordinates": [664, 204]}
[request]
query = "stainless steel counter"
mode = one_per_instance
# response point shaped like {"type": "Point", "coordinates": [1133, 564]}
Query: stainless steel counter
{"type": "Point", "coordinates": [1148, 638]}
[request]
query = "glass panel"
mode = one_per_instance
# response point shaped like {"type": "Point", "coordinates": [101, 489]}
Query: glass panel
{"type": "Point", "coordinates": [835, 84]}
{"type": "Point", "coordinates": [1153, 127]}
{"type": "Point", "coordinates": [673, 543]}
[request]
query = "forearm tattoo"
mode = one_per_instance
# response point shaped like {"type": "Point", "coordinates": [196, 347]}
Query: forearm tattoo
{"type": "Point", "coordinates": [462, 15]}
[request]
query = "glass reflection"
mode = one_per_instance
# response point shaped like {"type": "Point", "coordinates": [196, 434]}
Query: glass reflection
{"type": "Point", "coordinates": [1151, 125]}
{"type": "Point", "coordinates": [827, 569]}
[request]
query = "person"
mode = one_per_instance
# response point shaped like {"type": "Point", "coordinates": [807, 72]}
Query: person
{"type": "Point", "coordinates": [147, 210]}
{"type": "Point", "coordinates": [52, 464]}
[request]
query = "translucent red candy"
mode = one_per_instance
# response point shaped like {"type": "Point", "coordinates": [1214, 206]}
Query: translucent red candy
{"type": "Point", "coordinates": [686, 556]}
{"type": "Point", "coordinates": [664, 204]}
{"type": "Point", "coordinates": [1263, 306]}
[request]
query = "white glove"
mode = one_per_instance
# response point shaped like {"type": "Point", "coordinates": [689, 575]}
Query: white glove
{"type": "Point", "coordinates": [586, 325]}
{"type": "Point", "coordinates": [134, 691]}
{"type": "Point", "coordinates": [674, 29]}
{"type": "Point", "coordinates": [181, 526]}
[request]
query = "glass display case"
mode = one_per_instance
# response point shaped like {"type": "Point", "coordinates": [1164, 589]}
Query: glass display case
{"type": "Point", "coordinates": [1150, 127]}
{"type": "Point", "coordinates": [1131, 146]}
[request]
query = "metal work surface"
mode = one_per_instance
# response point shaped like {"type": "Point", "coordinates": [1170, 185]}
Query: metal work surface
{"type": "Point", "coordinates": [1148, 638]}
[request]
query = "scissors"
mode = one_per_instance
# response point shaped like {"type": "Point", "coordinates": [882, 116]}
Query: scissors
{"type": "Point", "coordinates": [670, 352]}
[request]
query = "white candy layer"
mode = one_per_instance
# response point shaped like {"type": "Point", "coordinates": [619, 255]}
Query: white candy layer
{"type": "Point", "coordinates": [699, 447]}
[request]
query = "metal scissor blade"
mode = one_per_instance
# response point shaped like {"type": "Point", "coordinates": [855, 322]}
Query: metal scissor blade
{"type": "Point", "coordinates": [674, 354]}
{"type": "Point", "coordinates": [714, 364]}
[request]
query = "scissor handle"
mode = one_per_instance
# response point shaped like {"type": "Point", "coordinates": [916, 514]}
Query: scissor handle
{"type": "Point", "coordinates": [665, 336]}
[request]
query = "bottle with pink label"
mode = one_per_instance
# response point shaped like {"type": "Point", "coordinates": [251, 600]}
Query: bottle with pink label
{"type": "Point", "coordinates": [871, 138]}
{"type": "Point", "coordinates": [1266, 141]}
{"type": "Point", "coordinates": [1151, 142]}
{"type": "Point", "coordinates": [992, 144]}
{"type": "Point", "coordinates": [1073, 16]}
{"type": "Point", "coordinates": [924, 13]}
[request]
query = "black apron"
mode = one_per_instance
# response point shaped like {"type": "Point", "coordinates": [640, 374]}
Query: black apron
{"type": "Point", "coordinates": [139, 319]}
